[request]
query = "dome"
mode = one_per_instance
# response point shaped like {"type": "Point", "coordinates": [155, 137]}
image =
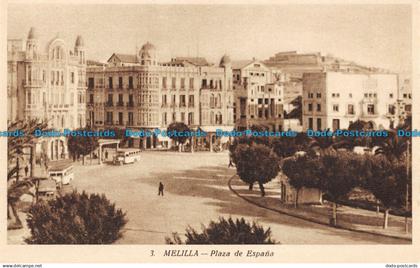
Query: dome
{"type": "Point", "coordinates": [79, 41]}
{"type": "Point", "coordinates": [225, 60]}
{"type": "Point", "coordinates": [32, 33]}
{"type": "Point", "coordinates": [148, 46]}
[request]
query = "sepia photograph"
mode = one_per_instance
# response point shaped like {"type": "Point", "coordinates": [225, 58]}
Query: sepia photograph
{"type": "Point", "coordinates": [209, 124]}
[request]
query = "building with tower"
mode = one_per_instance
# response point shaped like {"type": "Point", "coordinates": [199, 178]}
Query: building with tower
{"type": "Point", "coordinates": [47, 82]}
{"type": "Point", "coordinates": [141, 93]}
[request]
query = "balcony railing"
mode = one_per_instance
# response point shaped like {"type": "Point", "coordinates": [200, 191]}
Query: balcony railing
{"type": "Point", "coordinates": [120, 103]}
{"type": "Point", "coordinates": [109, 104]}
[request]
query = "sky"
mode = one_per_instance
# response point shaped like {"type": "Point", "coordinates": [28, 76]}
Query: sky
{"type": "Point", "coordinates": [373, 35]}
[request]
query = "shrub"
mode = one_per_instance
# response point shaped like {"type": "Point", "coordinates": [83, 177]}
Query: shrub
{"type": "Point", "coordinates": [75, 219]}
{"type": "Point", "coordinates": [226, 232]}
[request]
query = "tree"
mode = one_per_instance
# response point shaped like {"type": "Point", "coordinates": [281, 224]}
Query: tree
{"type": "Point", "coordinates": [16, 146]}
{"type": "Point", "coordinates": [339, 174]}
{"type": "Point", "coordinates": [256, 163]}
{"type": "Point", "coordinates": [302, 171]}
{"type": "Point", "coordinates": [178, 127]}
{"type": "Point", "coordinates": [386, 180]}
{"type": "Point", "coordinates": [226, 232]}
{"type": "Point", "coordinates": [75, 219]}
{"type": "Point", "coordinates": [82, 145]}
{"type": "Point", "coordinates": [250, 140]}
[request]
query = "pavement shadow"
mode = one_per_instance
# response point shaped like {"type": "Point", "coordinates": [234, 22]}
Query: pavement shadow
{"type": "Point", "coordinates": [212, 183]}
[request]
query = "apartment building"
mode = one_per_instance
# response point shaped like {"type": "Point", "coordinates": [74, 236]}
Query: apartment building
{"type": "Point", "coordinates": [258, 95]}
{"type": "Point", "coordinates": [48, 83]}
{"type": "Point", "coordinates": [139, 92]}
{"type": "Point", "coordinates": [333, 100]}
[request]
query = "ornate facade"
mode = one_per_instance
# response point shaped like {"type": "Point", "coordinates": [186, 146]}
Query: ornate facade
{"type": "Point", "coordinates": [48, 83]}
{"type": "Point", "coordinates": [138, 92]}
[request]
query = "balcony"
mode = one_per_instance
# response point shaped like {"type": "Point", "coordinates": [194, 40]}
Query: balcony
{"type": "Point", "coordinates": [109, 104]}
{"type": "Point", "coordinates": [130, 104]}
{"type": "Point", "coordinates": [129, 123]}
{"type": "Point", "coordinates": [120, 104]}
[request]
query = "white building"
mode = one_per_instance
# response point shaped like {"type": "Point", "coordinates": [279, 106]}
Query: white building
{"type": "Point", "coordinates": [47, 83]}
{"type": "Point", "coordinates": [333, 100]}
{"type": "Point", "coordinates": [258, 95]}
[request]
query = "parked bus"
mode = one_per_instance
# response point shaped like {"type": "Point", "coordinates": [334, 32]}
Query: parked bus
{"type": "Point", "coordinates": [61, 172]}
{"type": "Point", "coordinates": [127, 156]}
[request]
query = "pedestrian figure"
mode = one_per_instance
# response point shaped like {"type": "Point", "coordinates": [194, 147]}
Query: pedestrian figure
{"type": "Point", "coordinates": [160, 188]}
{"type": "Point", "coordinates": [230, 163]}
{"type": "Point", "coordinates": [106, 155]}
{"type": "Point", "coordinates": [26, 170]}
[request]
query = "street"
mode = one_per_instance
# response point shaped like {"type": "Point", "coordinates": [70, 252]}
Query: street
{"type": "Point", "coordinates": [195, 192]}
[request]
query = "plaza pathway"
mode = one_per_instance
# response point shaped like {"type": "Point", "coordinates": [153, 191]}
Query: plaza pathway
{"type": "Point", "coordinates": [196, 192]}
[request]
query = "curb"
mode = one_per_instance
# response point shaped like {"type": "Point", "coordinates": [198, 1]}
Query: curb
{"type": "Point", "coordinates": [308, 219]}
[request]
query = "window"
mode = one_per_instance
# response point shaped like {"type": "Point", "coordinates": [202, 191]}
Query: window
{"type": "Point", "coordinates": [310, 107]}
{"type": "Point", "coordinates": [130, 82]}
{"type": "Point", "coordinates": [310, 123]}
{"type": "Point", "coordinates": [350, 109]}
{"type": "Point", "coordinates": [407, 108]}
{"type": "Point", "coordinates": [371, 109]}
{"type": "Point", "coordinates": [109, 118]}
{"type": "Point", "coordinates": [164, 85]}
{"type": "Point", "coordinates": [335, 107]}
{"type": "Point", "coordinates": [164, 100]}
{"type": "Point", "coordinates": [182, 117]}
{"type": "Point", "coordinates": [182, 101]}
{"type": "Point", "coordinates": [333, 95]}
{"type": "Point", "coordinates": [191, 101]}
{"type": "Point", "coordinates": [318, 95]}
{"type": "Point", "coordinates": [109, 82]}
{"type": "Point", "coordinates": [336, 124]}
{"type": "Point", "coordinates": [391, 109]}
{"type": "Point", "coordinates": [91, 98]}
{"type": "Point", "coordinates": [120, 118]}
{"type": "Point", "coordinates": [391, 95]}
{"type": "Point", "coordinates": [173, 82]}
{"type": "Point", "coordinates": [130, 118]}
{"type": "Point", "coordinates": [120, 82]}
{"type": "Point", "coordinates": [164, 119]}
{"type": "Point", "coordinates": [130, 100]}
{"type": "Point", "coordinates": [91, 82]}
{"type": "Point", "coordinates": [110, 99]}
{"type": "Point", "coordinates": [318, 107]}
{"type": "Point", "coordinates": [120, 100]}
{"type": "Point", "coordinates": [191, 83]}
{"type": "Point", "coordinates": [260, 101]}
{"type": "Point", "coordinates": [190, 118]}
{"type": "Point", "coordinates": [366, 95]}
{"type": "Point", "coordinates": [72, 77]}
{"type": "Point", "coordinates": [350, 95]}
{"type": "Point", "coordinates": [318, 124]}
{"type": "Point", "coordinates": [182, 83]}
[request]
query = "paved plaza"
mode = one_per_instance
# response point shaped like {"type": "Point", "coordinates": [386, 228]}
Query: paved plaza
{"type": "Point", "coordinates": [196, 191]}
